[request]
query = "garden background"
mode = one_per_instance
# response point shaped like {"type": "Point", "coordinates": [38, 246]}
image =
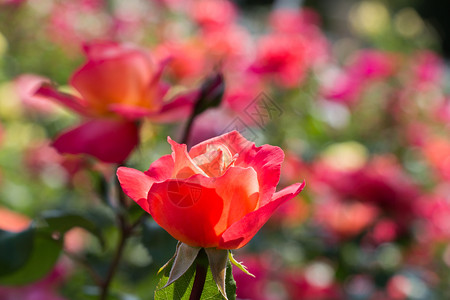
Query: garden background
{"type": "Point", "coordinates": [356, 93]}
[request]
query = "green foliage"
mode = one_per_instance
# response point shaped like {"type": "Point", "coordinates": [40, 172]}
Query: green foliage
{"type": "Point", "coordinates": [181, 288]}
{"type": "Point", "coordinates": [33, 254]}
{"type": "Point", "coordinates": [62, 221]}
{"type": "Point", "coordinates": [19, 244]}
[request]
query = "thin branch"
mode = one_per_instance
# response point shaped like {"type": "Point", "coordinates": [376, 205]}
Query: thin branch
{"type": "Point", "coordinates": [82, 262]}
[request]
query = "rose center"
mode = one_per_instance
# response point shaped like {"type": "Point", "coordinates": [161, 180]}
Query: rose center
{"type": "Point", "coordinates": [215, 160]}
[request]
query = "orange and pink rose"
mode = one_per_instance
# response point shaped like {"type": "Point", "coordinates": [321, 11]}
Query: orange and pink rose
{"type": "Point", "coordinates": [218, 194]}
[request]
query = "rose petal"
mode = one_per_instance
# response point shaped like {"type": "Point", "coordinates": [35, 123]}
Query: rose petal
{"type": "Point", "coordinates": [184, 166]}
{"type": "Point", "coordinates": [130, 112]}
{"type": "Point", "coordinates": [161, 169]}
{"type": "Point", "coordinates": [115, 79]}
{"type": "Point", "coordinates": [233, 140]}
{"type": "Point", "coordinates": [187, 209]}
{"type": "Point", "coordinates": [266, 160]}
{"type": "Point", "coordinates": [108, 140]}
{"type": "Point", "coordinates": [98, 50]}
{"type": "Point", "coordinates": [241, 232]}
{"type": "Point", "coordinates": [179, 108]}
{"type": "Point", "coordinates": [239, 191]}
{"type": "Point", "coordinates": [72, 102]}
{"type": "Point", "coordinates": [136, 185]}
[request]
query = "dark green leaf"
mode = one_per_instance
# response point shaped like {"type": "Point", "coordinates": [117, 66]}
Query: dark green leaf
{"type": "Point", "coordinates": [45, 251]}
{"type": "Point", "coordinates": [15, 249]}
{"type": "Point", "coordinates": [230, 283]}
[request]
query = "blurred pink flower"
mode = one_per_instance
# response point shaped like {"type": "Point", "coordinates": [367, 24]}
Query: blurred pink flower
{"type": "Point", "coordinates": [294, 21]}
{"type": "Point", "coordinates": [213, 14]}
{"type": "Point", "coordinates": [346, 219]}
{"type": "Point", "coordinates": [306, 23]}
{"type": "Point", "coordinates": [398, 287]}
{"type": "Point", "coordinates": [293, 47]}
{"type": "Point", "coordinates": [223, 49]}
{"type": "Point", "coordinates": [273, 281]}
{"type": "Point", "coordinates": [372, 64]}
{"type": "Point", "coordinates": [44, 289]}
{"type": "Point", "coordinates": [384, 231]}
{"type": "Point", "coordinates": [187, 59]}
{"type": "Point", "coordinates": [283, 57]}
{"type": "Point", "coordinates": [435, 210]}
{"type": "Point", "coordinates": [427, 69]}
{"type": "Point", "coordinates": [381, 184]}
{"type": "Point", "coordinates": [26, 86]}
{"type": "Point", "coordinates": [301, 287]}
{"type": "Point", "coordinates": [42, 157]}
{"type": "Point", "coordinates": [436, 150]}
{"type": "Point", "coordinates": [365, 66]}
{"type": "Point", "coordinates": [73, 22]}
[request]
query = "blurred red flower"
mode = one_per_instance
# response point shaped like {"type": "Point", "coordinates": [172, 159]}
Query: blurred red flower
{"type": "Point", "coordinates": [380, 184]}
{"type": "Point", "coordinates": [364, 67]}
{"type": "Point", "coordinates": [219, 194]}
{"type": "Point", "coordinates": [213, 14]}
{"type": "Point", "coordinates": [118, 85]}
{"type": "Point", "coordinates": [283, 56]}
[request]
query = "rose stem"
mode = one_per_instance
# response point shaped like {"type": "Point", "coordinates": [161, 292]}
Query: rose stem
{"type": "Point", "coordinates": [125, 232]}
{"type": "Point", "coordinates": [200, 275]}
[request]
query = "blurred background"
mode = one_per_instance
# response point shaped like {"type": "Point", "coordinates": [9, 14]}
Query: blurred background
{"type": "Point", "coordinates": [355, 92]}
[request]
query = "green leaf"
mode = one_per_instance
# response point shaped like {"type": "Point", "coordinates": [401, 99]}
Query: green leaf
{"type": "Point", "coordinates": [230, 283]}
{"type": "Point", "coordinates": [62, 221]}
{"type": "Point", "coordinates": [239, 264]}
{"type": "Point", "coordinates": [44, 254]}
{"type": "Point", "coordinates": [181, 288]}
{"type": "Point", "coordinates": [15, 249]}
